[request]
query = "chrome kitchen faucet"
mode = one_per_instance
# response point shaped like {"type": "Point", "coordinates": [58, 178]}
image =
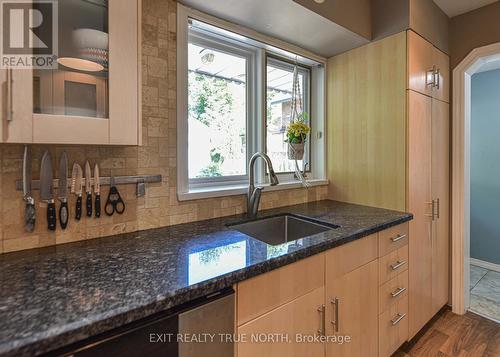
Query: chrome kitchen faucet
{"type": "Point", "coordinates": [253, 195]}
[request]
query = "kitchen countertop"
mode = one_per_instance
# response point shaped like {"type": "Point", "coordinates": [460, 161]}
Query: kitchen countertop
{"type": "Point", "coordinates": [52, 297]}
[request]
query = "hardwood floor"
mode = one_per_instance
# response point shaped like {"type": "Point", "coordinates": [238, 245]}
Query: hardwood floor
{"type": "Point", "coordinates": [450, 335]}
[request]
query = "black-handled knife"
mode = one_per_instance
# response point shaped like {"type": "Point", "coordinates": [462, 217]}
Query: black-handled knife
{"type": "Point", "coordinates": [51, 216]}
{"type": "Point", "coordinates": [62, 191]}
{"type": "Point", "coordinates": [78, 208]}
{"type": "Point", "coordinates": [88, 204]}
{"type": "Point", "coordinates": [47, 189]}
{"type": "Point", "coordinates": [76, 188]}
{"type": "Point", "coordinates": [88, 189]}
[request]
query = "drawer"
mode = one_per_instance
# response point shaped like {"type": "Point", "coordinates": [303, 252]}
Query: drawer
{"type": "Point", "coordinates": [265, 292]}
{"type": "Point", "coordinates": [392, 239]}
{"type": "Point", "coordinates": [350, 256]}
{"type": "Point", "coordinates": [393, 328]}
{"type": "Point", "coordinates": [392, 264]}
{"type": "Point", "coordinates": [393, 291]}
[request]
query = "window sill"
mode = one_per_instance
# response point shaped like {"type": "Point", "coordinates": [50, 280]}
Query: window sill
{"type": "Point", "coordinates": [233, 190]}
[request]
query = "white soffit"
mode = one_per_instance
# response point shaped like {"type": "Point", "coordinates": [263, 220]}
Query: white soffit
{"type": "Point", "coordinates": [284, 20]}
{"type": "Point", "coordinates": [457, 7]}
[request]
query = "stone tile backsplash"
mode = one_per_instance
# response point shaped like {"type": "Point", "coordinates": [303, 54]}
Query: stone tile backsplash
{"type": "Point", "coordinates": [160, 206]}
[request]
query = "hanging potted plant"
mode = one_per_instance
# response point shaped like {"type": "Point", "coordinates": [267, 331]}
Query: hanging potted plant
{"type": "Point", "coordinates": [296, 136]}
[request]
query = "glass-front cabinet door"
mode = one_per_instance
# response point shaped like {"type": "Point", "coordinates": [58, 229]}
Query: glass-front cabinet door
{"type": "Point", "coordinates": [90, 95]}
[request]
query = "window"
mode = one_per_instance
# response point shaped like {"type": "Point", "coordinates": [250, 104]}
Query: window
{"type": "Point", "coordinates": [234, 99]}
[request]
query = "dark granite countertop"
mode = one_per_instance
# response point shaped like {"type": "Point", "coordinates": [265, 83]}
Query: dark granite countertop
{"type": "Point", "coordinates": [52, 297]}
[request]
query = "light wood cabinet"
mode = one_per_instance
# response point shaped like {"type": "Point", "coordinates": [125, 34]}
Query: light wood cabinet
{"type": "Point", "coordinates": [428, 68]}
{"type": "Point", "coordinates": [15, 106]}
{"type": "Point", "coordinates": [393, 327]}
{"type": "Point", "coordinates": [429, 202]}
{"type": "Point", "coordinates": [420, 204]}
{"type": "Point", "coordinates": [303, 316]}
{"type": "Point", "coordinates": [70, 105]}
{"type": "Point", "coordinates": [414, 124]}
{"type": "Point", "coordinates": [265, 292]}
{"type": "Point", "coordinates": [441, 197]}
{"type": "Point", "coordinates": [352, 310]}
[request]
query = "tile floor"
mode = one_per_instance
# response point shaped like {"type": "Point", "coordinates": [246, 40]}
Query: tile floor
{"type": "Point", "coordinates": [485, 292]}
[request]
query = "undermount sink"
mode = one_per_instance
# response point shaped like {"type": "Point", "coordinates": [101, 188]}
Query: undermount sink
{"type": "Point", "coordinates": [282, 228]}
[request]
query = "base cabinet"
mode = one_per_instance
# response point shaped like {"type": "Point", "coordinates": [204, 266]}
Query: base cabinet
{"type": "Point", "coordinates": [352, 311]}
{"type": "Point", "coordinates": [334, 309]}
{"type": "Point", "coordinates": [282, 331]}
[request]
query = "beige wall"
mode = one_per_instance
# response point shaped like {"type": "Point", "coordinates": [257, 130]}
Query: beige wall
{"type": "Point", "coordinates": [477, 28]}
{"type": "Point", "coordinates": [160, 207]}
{"type": "Point", "coordinates": [422, 16]}
{"type": "Point", "coordinates": [430, 22]}
{"type": "Point", "coordinates": [354, 15]}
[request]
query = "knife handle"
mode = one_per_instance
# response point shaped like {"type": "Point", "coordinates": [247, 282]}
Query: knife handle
{"type": "Point", "coordinates": [98, 205]}
{"type": "Point", "coordinates": [29, 217]}
{"type": "Point", "coordinates": [88, 204]}
{"type": "Point", "coordinates": [63, 214]}
{"type": "Point", "coordinates": [51, 216]}
{"type": "Point", "coordinates": [78, 210]}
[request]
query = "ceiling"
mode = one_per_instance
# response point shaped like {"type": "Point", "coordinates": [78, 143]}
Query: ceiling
{"type": "Point", "coordinates": [457, 7]}
{"type": "Point", "coordinates": [285, 20]}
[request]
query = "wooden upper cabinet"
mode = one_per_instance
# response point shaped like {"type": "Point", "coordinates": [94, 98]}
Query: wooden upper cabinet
{"type": "Point", "coordinates": [442, 62]}
{"type": "Point", "coordinates": [420, 63]}
{"type": "Point", "coordinates": [93, 96]}
{"type": "Point", "coordinates": [16, 106]}
{"type": "Point", "coordinates": [428, 68]}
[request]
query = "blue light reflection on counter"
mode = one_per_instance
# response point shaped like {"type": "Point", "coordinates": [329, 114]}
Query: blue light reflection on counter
{"type": "Point", "coordinates": [208, 263]}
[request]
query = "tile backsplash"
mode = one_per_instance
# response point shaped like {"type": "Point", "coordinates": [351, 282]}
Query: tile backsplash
{"type": "Point", "coordinates": [160, 206]}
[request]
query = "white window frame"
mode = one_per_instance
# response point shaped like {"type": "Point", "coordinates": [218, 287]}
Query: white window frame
{"type": "Point", "coordinates": [256, 106]}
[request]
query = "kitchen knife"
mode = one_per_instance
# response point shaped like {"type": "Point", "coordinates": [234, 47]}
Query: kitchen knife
{"type": "Point", "coordinates": [47, 189]}
{"type": "Point", "coordinates": [97, 191]}
{"type": "Point", "coordinates": [62, 191]}
{"type": "Point", "coordinates": [76, 188]}
{"type": "Point", "coordinates": [88, 189]}
{"type": "Point", "coordinates": [29, 208]}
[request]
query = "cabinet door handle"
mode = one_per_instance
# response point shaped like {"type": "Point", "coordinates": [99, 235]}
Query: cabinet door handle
{"type": "Point", "coordinates": [335, 320]}
{"type": "Point", "coordinates": [398, 237]}
{"type": "Point", "coordinates": [398, 264]}
{"type": "Point", "coordinates": [10, 86]}
{"type": "Point", "coordinates": [321, 329]}
{"type": "Point", "coordinates": [438, 209]}
{"type": "Point", "coordinates": [430, 77]}
{"type": "Point", "coordinates": [397, 319]}
{"type": "Point", "coordinates": [437, 78]}
{"type": "Point", "coordinates": [398, 292]}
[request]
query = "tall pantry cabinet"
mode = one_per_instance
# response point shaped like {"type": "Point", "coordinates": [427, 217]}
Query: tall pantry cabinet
{"type": "Point", "coordinates": [388, 130]}
{"type": "Point", "coordinates": [428, 179]}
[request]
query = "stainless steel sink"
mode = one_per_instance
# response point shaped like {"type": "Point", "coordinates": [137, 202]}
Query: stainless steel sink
{"type": "Point", "coordinates": [281, 229]}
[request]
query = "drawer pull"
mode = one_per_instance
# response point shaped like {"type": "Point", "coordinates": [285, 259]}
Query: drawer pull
{"type": "Point", "coordinates": [335, 321]}
{"type": "Point", "coordinates": [397, 292]}
{"type": "Point", "coordinates": [398, 237]}
{"type": "Point", "coordinates": [398, 264]}
{"type": "Point", "coordinates": [322, 328]}
{"type": "Point", "coordinates": [397, 319]}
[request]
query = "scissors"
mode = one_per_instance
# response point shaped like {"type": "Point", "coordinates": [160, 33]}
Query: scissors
{"type": "Point", "coordinates": [114, 203]}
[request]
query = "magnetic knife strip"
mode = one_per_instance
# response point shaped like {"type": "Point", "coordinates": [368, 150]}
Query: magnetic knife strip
{"type": "Point", "coordinates": [105, 181]}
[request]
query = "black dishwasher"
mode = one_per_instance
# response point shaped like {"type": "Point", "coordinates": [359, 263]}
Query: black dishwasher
{"type": "Point", "coordinates": [190, 330]}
